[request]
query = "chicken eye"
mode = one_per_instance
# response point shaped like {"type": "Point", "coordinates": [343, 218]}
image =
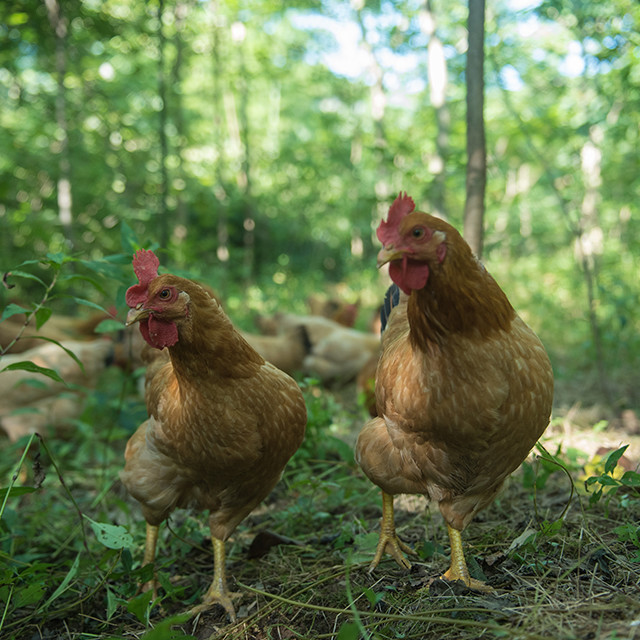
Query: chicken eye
{"type": "Point", "coordinates": [165, 294]}
{"type": "Point", "coordinates": [417, 232]}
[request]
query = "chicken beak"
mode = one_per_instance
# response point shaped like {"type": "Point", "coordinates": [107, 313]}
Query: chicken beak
{"type": "Point", "coordinates": [388, 254]}
{"type": "Point", "coordinates": [136, 314]}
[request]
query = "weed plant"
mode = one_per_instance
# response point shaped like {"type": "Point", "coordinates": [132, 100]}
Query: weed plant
{"type": "Point", "coordinates": [560, 550]}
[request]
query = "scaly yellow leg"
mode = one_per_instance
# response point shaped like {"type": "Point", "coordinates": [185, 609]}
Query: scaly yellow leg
{"type": "Point", "coordinates": [150, 543]}
{"type": "Point", "coordinates": [458, 569]}
{"type": "Point", "coordinates": [389, 541]}
{"type": "Point", "coordinates": [218, 593]}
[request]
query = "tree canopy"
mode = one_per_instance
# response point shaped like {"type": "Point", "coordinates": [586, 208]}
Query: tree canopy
{"type": "Point", "coordinates": [259, 143]}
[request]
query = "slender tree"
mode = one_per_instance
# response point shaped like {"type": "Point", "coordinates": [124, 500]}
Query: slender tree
{"type": "Point", "coordinates": [162, 131]}
{"type": "Point", "coordinates": [437, 74]}
{"type": "Point", "coordinates": [65, 203]}
{"type": "Point", "coordinates": [222, 224]}
{"type": "Point", "coordinates": [476, 148]}
{"type": "Point", "coordinates": [181, 12]}
{"type": "Point", "coordinates": [377, 91]}
{"type": "Point", "coordinates": [238, 34]}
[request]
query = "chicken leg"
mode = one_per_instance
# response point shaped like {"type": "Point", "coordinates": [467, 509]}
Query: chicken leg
{"type": "Point", "coordinates": [458, 569]}
{"type": "Point", "coordinates": [150, 543]}
{"type": "Point", "coordinates": [389, 541]}
{"type": "Point", "coordinates": [217, 593]}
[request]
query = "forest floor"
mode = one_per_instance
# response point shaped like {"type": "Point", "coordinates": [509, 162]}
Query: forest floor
{"type": "Point", "coordinates": [562, 560]}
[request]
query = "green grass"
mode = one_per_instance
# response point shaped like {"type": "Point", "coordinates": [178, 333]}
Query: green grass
{"type": "Point", "coordinates": [560, 545]}
{"type": "Point", "coordinates": [564, 562]}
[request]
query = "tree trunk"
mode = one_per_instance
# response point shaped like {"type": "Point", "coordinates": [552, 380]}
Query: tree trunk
{"type": "Point", "coordinates": [437, 76]}
{"type": "Point", "coordinates": [162, 133]}
{"type": "Point", "coordinates": [182, 225]}
{"type": "Point", "coordinates": [589, 245]}
{"type": "Point", "coordinates": [238, 33]}
{"type": "Point", "coordinates": [588, 214]}
{"type": "Point", "coordinates": [476, 150]}
{"type": "Point", "coordinates": [65, 201]}
{"type": "Point", "coordinates": [377, 92]}
{"type": "Point", "coordinates": [222, 225]}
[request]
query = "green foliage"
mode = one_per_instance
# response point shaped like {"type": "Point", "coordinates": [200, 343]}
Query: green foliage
{"type": "Point", "coordinates": [275, 173]}
{"type": "Point", "coordinates": [630, 533]}
{"type": "Point", "coordinates": [38, 582]}
{"type": "Point", "coordinates": [323, 423]}
{"type": "Point", "coordinates": [277, 166]}
{"type": "Point", "coordinates": [623, 488]}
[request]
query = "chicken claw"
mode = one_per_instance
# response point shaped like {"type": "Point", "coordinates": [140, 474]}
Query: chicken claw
{"type": "Point", "coordinates": [212, 597]}
{"type": "Point", "coordinates": [389, 541]}
{"type": "Point", "coordinates": [458, 569]}
{"type": "Point", "coordinates": [217, 593]}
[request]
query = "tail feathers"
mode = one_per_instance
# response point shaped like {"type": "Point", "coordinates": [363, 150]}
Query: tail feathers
{"type": "Point", "coordinates": [305, 339]}
{"type": "Point", "coordinates": [391, 299]}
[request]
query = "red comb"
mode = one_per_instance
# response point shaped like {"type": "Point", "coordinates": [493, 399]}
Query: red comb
{"type": "Point", "coordinates": [402, 206]}
{"type": "Point", "coordinates": [145, 266]}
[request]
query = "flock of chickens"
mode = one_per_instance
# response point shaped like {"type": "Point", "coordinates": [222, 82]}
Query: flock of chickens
{"type": "Point", "coordinates": [463, 389]}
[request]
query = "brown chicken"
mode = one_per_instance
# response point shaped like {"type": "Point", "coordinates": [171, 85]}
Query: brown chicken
{"type": "Point", "coordinates": [463, 387]}
{"type": "Point", "coordinates": [52, 403]}
{"type": "Point", "coordinates": [286, 351]}
{"type": "Point", "coordinates": [58, 327]}
{"type": "Point", "coordinates": [222, 422]}
{"type": "Point", "coordinates": [338, 357]}
{"type": "Point", "coordinates": [335, 353]}
{"type": "Point", "coordinates": [344, 313]}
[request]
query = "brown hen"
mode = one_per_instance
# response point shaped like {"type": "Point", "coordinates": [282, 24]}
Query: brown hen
{"type": "Point", "coordinates": [464, 387]}
{"type": "Point", "coordinates": [222, 422]}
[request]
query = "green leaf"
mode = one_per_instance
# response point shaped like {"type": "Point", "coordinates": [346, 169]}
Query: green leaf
{"type": "Point", "coordinates": [15, 492]}
{"type": "Point", "coordinates": [88, 303]}
{"type": "Point", "coordinates": [128, 238]}
{"type": "Point", "coordinates": [62, 587]}
{"type": "Point", "coordinates": [628, 533]}
{"type": "Point", "coordinates": [34, 368]}
{"type": "Point", "coordinates": [42, 315]}
{"type": "Point", "coordinates": [113, 602]}
{"type": "Point", "coordinates": [108, 325]}
{"type": "Point", "coordinates": [525, 538]}
{"type": "Point", "coordinates": [104, 268]}
{"type": "Point", "coordinates": [164, 631]}
{"type": "Point", "coordinates": [372, 596]}
{"type": "Point", "coordinates": [111, 535]}
{"type": "Point", "coordinates": [26, 262]}
{"type": "Point", "coordinates": [27, 275]}
{"type": "Point", "coordinates": [348, 631]}
{"type": "Point", "coordinates": [139, 605]}
{"type": "Point", "coordinates": [58, 258]}
{"type": "Point", "coordinates": [17, 18]}
{"type": "Point", "coordinates": [72, 277]}
{"type": "Point", "coordinates": [70, 353]}
{"type": "Point", "coordinates": [612, 459]}
{"type": "Point", "coordinates": [29, 595]}
{"type": "Point", "coordinates": [12, 310]}
{"type": "Point", "coordinates": [34, 383]}
{"type": "Point", "coordinates": [427, 550]}
{"type": "Point", "coordinates": [127, 560]}
{"type": "Point", "coordinates": [630, 479]}
{"type": "Point", "coordinates": [608, 481]}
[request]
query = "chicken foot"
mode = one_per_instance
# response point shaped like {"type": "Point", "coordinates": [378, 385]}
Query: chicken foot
{"type": "Point", "coordinates": [458, 569]}
{"type": "Point", "coordinates": [389, 541]}
{"type": "Point", "coordinates": [217, 593]}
